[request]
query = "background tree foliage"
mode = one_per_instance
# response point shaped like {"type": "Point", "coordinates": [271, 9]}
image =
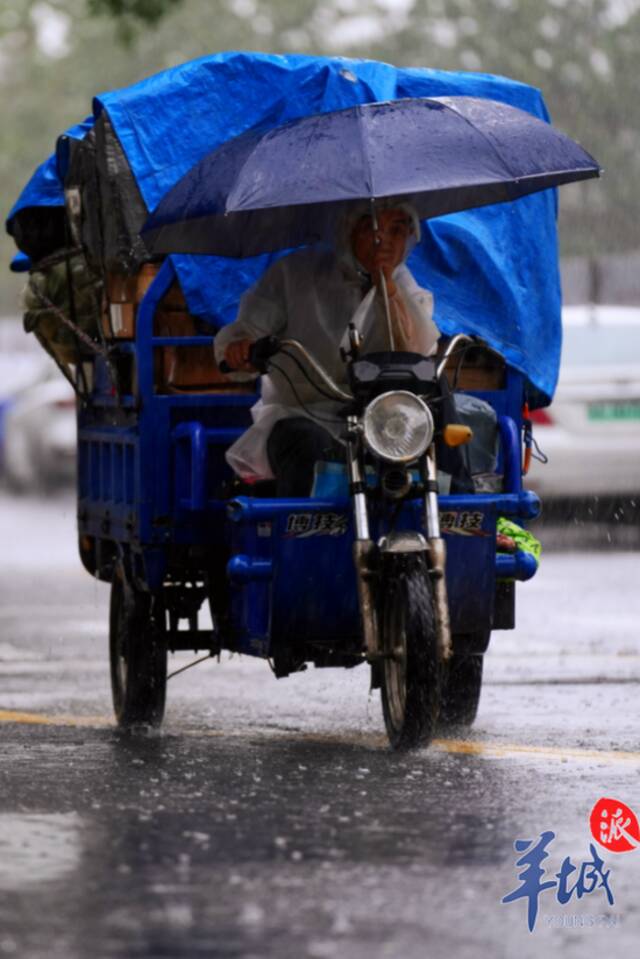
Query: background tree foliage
{"type": "Point", "coordinates": [149, 11]}
{"type": "Point", "coordinates": [583, 55]}
{"type": "Point", "coordinates": [130, 13]}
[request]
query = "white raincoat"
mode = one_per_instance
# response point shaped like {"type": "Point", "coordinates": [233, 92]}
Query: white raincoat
{"type": "Point", "coordinates": [311, 296]}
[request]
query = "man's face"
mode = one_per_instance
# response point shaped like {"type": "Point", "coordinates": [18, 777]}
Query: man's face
{"type": "Point", "coordinates": [383, 248]}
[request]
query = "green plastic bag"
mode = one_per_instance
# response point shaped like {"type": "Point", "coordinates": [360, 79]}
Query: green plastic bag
{"type": "Point", "coordinates": [523, 539]}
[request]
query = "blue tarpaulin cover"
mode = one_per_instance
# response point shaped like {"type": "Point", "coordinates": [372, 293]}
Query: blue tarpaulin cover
{"type": "Point", "coordinates": [493, 270]}
{"type": "Point", "coordinates": [44, 188]}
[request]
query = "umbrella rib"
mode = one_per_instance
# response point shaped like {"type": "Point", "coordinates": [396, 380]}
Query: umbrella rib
{"type": "Point", "coordinates": [365, 151]}
{"type": "Point", "coordinates": [484, 136]}
{"type": "Point", "coordinates": [226, 211]}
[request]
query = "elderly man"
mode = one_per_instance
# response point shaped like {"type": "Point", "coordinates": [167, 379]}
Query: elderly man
{"type": "Point", "coordinates": [311, 296]}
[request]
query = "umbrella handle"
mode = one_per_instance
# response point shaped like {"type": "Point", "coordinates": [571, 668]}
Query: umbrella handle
{"type": "Point", "coordinates": [387, 310]}
{"type": "Point", "coordinates": [383, 283]}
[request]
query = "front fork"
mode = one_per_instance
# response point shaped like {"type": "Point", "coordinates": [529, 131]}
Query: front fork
{"type": "Point", "coordinates": [437, 555]}
{"type": "Point", "coordinates": [365, 551]}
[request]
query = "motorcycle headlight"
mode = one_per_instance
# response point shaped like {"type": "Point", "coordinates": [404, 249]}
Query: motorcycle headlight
{"type": "Point", "coordinates": [398, 426]}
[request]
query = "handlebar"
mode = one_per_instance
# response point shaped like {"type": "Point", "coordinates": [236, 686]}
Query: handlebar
{"type": "Point", "coordinates": [323, 376]}
{"type": "Point", "coordinates": [263, 349]}
{"type": "Point", "coordinates": [451, 346]}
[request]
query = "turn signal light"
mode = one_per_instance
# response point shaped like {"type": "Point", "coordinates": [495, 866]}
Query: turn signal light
{"type": "Point", "coordinates": [455, 434]}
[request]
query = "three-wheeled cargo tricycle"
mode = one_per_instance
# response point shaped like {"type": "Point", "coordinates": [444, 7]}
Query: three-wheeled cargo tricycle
{"type": "Point", "coordinates": [367, 571]}
{"type": "Point", "coordinates": [382, 565]}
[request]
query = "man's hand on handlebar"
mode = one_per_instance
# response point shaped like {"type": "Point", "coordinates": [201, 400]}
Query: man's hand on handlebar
{"type": "Point", "coordinates": [237, 356]}
{"type": "Point", "coordinates": [250, 356]}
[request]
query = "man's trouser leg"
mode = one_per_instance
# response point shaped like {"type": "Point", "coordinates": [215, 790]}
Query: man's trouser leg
{"type": "Point", "coordinates": [294, 446]}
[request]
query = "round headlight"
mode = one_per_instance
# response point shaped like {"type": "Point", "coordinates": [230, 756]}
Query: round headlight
{"type": "Point", "coordinates": [398, 426]}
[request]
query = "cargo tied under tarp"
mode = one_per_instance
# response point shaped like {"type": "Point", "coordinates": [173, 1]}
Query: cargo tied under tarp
{"type": "Point", "coordinates": [493, 271]}
{"type": "Point", "coordinates": [62, 288]}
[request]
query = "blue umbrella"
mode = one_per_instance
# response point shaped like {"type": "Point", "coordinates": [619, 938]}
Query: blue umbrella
{"type": "Point", "coordinates": [284, 187]}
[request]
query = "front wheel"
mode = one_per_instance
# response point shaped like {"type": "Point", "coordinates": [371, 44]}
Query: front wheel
{"type": "Point", "coordinates": [411, 669]}
{"type": "Point", "coordinates": [138, 654]}
{"type": "Point", "coordinates": [461, 690]}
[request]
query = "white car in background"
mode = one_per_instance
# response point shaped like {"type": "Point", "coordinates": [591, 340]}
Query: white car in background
{"type": "Point", "coordinates": [591, 431]}
{"type": "Point", "coordinates": [38, 425]}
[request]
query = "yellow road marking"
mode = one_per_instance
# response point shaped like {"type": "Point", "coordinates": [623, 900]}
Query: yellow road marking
{"type": "Point", "coordinates": [486, 749]}
{"type": "Point", "coordinates": [499, 750]}
{"type": "Point", "coordinates": [455, 746]}
{"type": "Point", "coordinates": [38, 719]}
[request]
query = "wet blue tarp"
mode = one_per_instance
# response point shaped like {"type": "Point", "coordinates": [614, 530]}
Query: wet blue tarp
{"type": "Point", "coordinates": [493, 271]}
{"type": "Point", "coordinates": [21, 263]}
{"type": "Point", "coordinates": [44, 188]}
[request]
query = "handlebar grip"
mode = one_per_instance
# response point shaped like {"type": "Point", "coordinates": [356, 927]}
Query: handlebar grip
{"type": "Point", "coordinates": [260, 353]}
{"type": "Point", "coordinates": [262, 350]}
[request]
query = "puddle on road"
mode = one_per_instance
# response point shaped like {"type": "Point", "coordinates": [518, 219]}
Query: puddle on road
{"type": "Point", "coordinates": [37, 848]}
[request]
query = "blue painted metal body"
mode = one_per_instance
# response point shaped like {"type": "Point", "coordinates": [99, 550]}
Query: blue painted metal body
{"type": "Point", "coordinates": [151, 467]}
{"type": "Point", "coordinates": [149, 464]}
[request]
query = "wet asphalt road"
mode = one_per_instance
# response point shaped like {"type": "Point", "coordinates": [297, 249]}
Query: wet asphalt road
{"type": "Point", "coordinates": [268, 818]}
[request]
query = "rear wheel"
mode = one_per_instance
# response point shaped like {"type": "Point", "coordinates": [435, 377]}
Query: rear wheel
{"type": "Point", "coordinates": [410, 672]}
{"type": "Point", "coordinates": [138, 654]}
{"type": "Point", "coordinates": [461, 690]}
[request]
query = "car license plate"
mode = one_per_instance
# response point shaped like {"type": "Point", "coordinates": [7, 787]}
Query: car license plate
{"type": "Point", "coordinates": [614, 410]}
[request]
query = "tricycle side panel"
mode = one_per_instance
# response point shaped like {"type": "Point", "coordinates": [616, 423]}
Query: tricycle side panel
{"type": "Point", "coordinates": [150, 466]}
{"type": "Point", "coordinates": [292, 570]}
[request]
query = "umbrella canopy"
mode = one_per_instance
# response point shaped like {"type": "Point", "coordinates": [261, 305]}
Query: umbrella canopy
{"type": "Point", "coordinates": [284, 187]}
